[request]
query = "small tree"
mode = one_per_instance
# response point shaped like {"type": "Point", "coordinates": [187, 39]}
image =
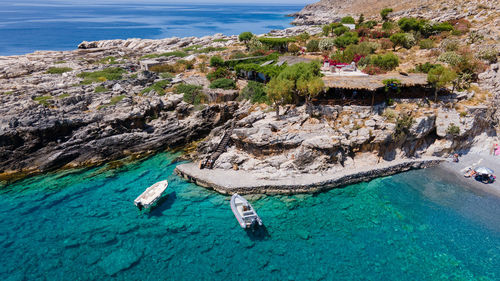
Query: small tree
{"type": "Point", "coordinates": [346, 39]}
{"type": "Point", "coordinates": [327, 29]}
{"type": "Point", "coordinates": [313, 46]}
{"type": "Point", "coordinates": [361, 19]}
{"type": "Point", "coordinates": [341, 30]}
{"type": "Point", "coordinates": [440, 76]}
{"type": "Point", "coordinates": [279, 92]}
{"type": "Point", "coordinates": [385, 13]}
{"type": "Point", "coordinates": [398, 39]}
{"type": "Point", "coordinates": [245, 36]}
{"type": "Point", "coordinates": [348, 20]}
{"type": "Point", "coordinates": [216, 61]}
{"type": "Point", "coordinates": [314, 87]}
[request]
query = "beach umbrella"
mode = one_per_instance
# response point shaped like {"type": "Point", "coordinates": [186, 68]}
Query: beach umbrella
{"type": "Point", "coordinates": [484, 170]}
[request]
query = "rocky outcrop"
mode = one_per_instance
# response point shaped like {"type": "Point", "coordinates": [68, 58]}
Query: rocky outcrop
{"type": "Point", "coordinates": [342, 138]}
{"type": "Point", "coordinates": [490, 81]}
{"type": "Point", "coordinates": [328, 11]}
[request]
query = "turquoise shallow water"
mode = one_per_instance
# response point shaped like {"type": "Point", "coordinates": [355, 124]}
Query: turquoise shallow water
{"type": "Point", "coordinates": [83, 226]}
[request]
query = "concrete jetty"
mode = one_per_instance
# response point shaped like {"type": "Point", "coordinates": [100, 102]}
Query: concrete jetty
{"type": "Point", "coordinates": [245, 182]}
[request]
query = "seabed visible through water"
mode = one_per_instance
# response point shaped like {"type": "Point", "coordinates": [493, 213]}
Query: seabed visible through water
{"type": "Point", "coordinates": [83, 225]}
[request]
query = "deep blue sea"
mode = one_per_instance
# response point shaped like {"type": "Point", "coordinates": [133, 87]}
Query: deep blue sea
{"type": "Point", "coordinates": [82, 225]}
{"type": "Point", "coordinates": [30, 25]}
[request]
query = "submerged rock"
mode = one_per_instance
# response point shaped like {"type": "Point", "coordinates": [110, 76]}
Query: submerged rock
{"type": "Point", "coordinates": [119, 260]}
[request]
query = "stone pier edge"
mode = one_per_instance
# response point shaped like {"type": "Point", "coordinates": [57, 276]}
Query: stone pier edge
{"type": "Point", "coordinates": [313, 187]}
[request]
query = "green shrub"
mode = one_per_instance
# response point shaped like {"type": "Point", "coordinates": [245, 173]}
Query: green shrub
{"type": "Point", "coordinates": [220, 40]}
{"type": "Point", "coordinates": [293, 48]}
{"type": "Point", "coordinates": [223, 83]}
{"type": "Point", "coordinates": [426, 67]}
{"type": "Point", "coordinates": [167, 75]}
{"type": "Point", "coordinates": [386, 43]}
{"type": "Point", "coordinates": [368, 24]}
{"type": "Point", "coordinates": [451, 58]}
{"type": "Point", "coordinates": [403, 124]}
{"type": "Point", "coordinates": [474, 37]}
{"type": "Point", "coordinates": [58, 70]}
{"type": "Point", "coordinates": [238, 55]}
{"type": "Point", "coordinates": [192, 93]}
{"type": "Point", "coordinates": [346, 39]}
{"type": "Point", "coordinates": [189, 64]}
{"type": "Point", "coordinates": [361, 19]}
{"type": "Point", "coordinates": [363, 48]}
{"type": "Point", "coordinates": [442, 26]}
{"type": "Point", "coordinates": [161, 68]}
{"type": "Point", "coordinates": [453, 130]}
{"type": "Point", "coordinates": [409, 24]}
{"type": "Point", "coordinates": [43, 100]}
{"type": "Point", "coordinates": [405, 40]}
{"type": "Point", "coordinates": [426, 44]}
{"type": "Point", "coordinates": [386, 61]}
{"type": "Point", "coordinates": [63, 96]}
{"type": "Point", "coordinates": [389, 113]}
{"type": "Point", "coordinates": [388, 25]}
{"type": "Point", "coordinates": [255, 45]}
{"type": "Point", "coordinates": [220, 72]}
{"type": "Point", "coordinates": [364, 61]}
{"type": "Point", "coordinates": [158, 87]}
{"type": "Point", "coordinates": [385, 13]}
{"type": "Point", "coordinates": [112, 73]}
{"type": "Point", "coordinates": [209, 50]}
{"type": "Point", "coordinates": [348, 20]}
{"type": "Point", "coordinates": [216, 61]}
{"type": "Point", "coordinates": [303, 37]}
{"type": "Point", "coordinates": [254, 92]}
{"type": "Point", "coordinates": [489, 54]}
{"type": "Point", "coordinates": [276, 43]}
{"type": "Point", "coordinates": [116, 99]}
{"type": "Point", "coordinates": [327, 29]}
{"type": "Point", "coordinates": [450, 45]}
{"type": "Point", "coordinates": [326, 44]}
{"type": "Point", "coordinates": [100, 89]}
{"type": "Point", "coordinates": [312, 46]}
{"type": "Point", "coordinates": [341, 30]}
{"type": "Point", "coordinates": [179, 54]}
{"type": "Point", "coordinates": [245, 36]}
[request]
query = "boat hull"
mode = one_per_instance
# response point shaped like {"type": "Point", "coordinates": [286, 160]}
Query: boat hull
{"type": "Point", "coordinates": [151, 195]}
{"type": "Point", "coordinates": [244, 212]}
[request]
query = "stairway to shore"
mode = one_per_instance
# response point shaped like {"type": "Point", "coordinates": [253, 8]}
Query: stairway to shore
{"type": "Point", "coordinates": [221, 147]}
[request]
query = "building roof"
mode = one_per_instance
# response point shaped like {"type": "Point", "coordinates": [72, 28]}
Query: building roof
{"type": "Point", "coordinates": [291, 60]}
{"type": "Point", "coordinates": [373, 82]}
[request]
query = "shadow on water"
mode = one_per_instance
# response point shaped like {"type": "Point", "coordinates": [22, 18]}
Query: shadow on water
{"type": "Point", "coordinates": [258, 234]}
{"type": "Point", "coordinates": [163, 204]}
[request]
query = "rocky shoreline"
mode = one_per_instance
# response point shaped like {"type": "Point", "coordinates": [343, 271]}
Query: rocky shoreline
{"type": "Point", "coordinates": [100, 103]}
{"type": "Point", "coordinates": [243, 182]}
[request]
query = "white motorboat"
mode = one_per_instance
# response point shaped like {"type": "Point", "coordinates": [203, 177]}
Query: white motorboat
{"type": "Point", "coordinates": [244, 212]}
{"type": "Point", "coordinates": [151, 195]}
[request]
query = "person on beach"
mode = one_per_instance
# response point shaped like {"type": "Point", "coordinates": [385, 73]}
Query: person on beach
{"type": "Point", "coordinates": [497, 150]}
{"type": "Point", "coordinates": [455, 157]}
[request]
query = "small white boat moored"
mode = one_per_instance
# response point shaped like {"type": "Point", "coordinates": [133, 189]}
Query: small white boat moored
{"type": "Point", "coordinates": [151, 195]}
{"type": "Point", "coordinates": [244, 212]}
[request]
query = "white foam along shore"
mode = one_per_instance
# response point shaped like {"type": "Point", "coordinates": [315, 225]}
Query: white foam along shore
{"type": "Point", "coordinates": [245, 182]}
